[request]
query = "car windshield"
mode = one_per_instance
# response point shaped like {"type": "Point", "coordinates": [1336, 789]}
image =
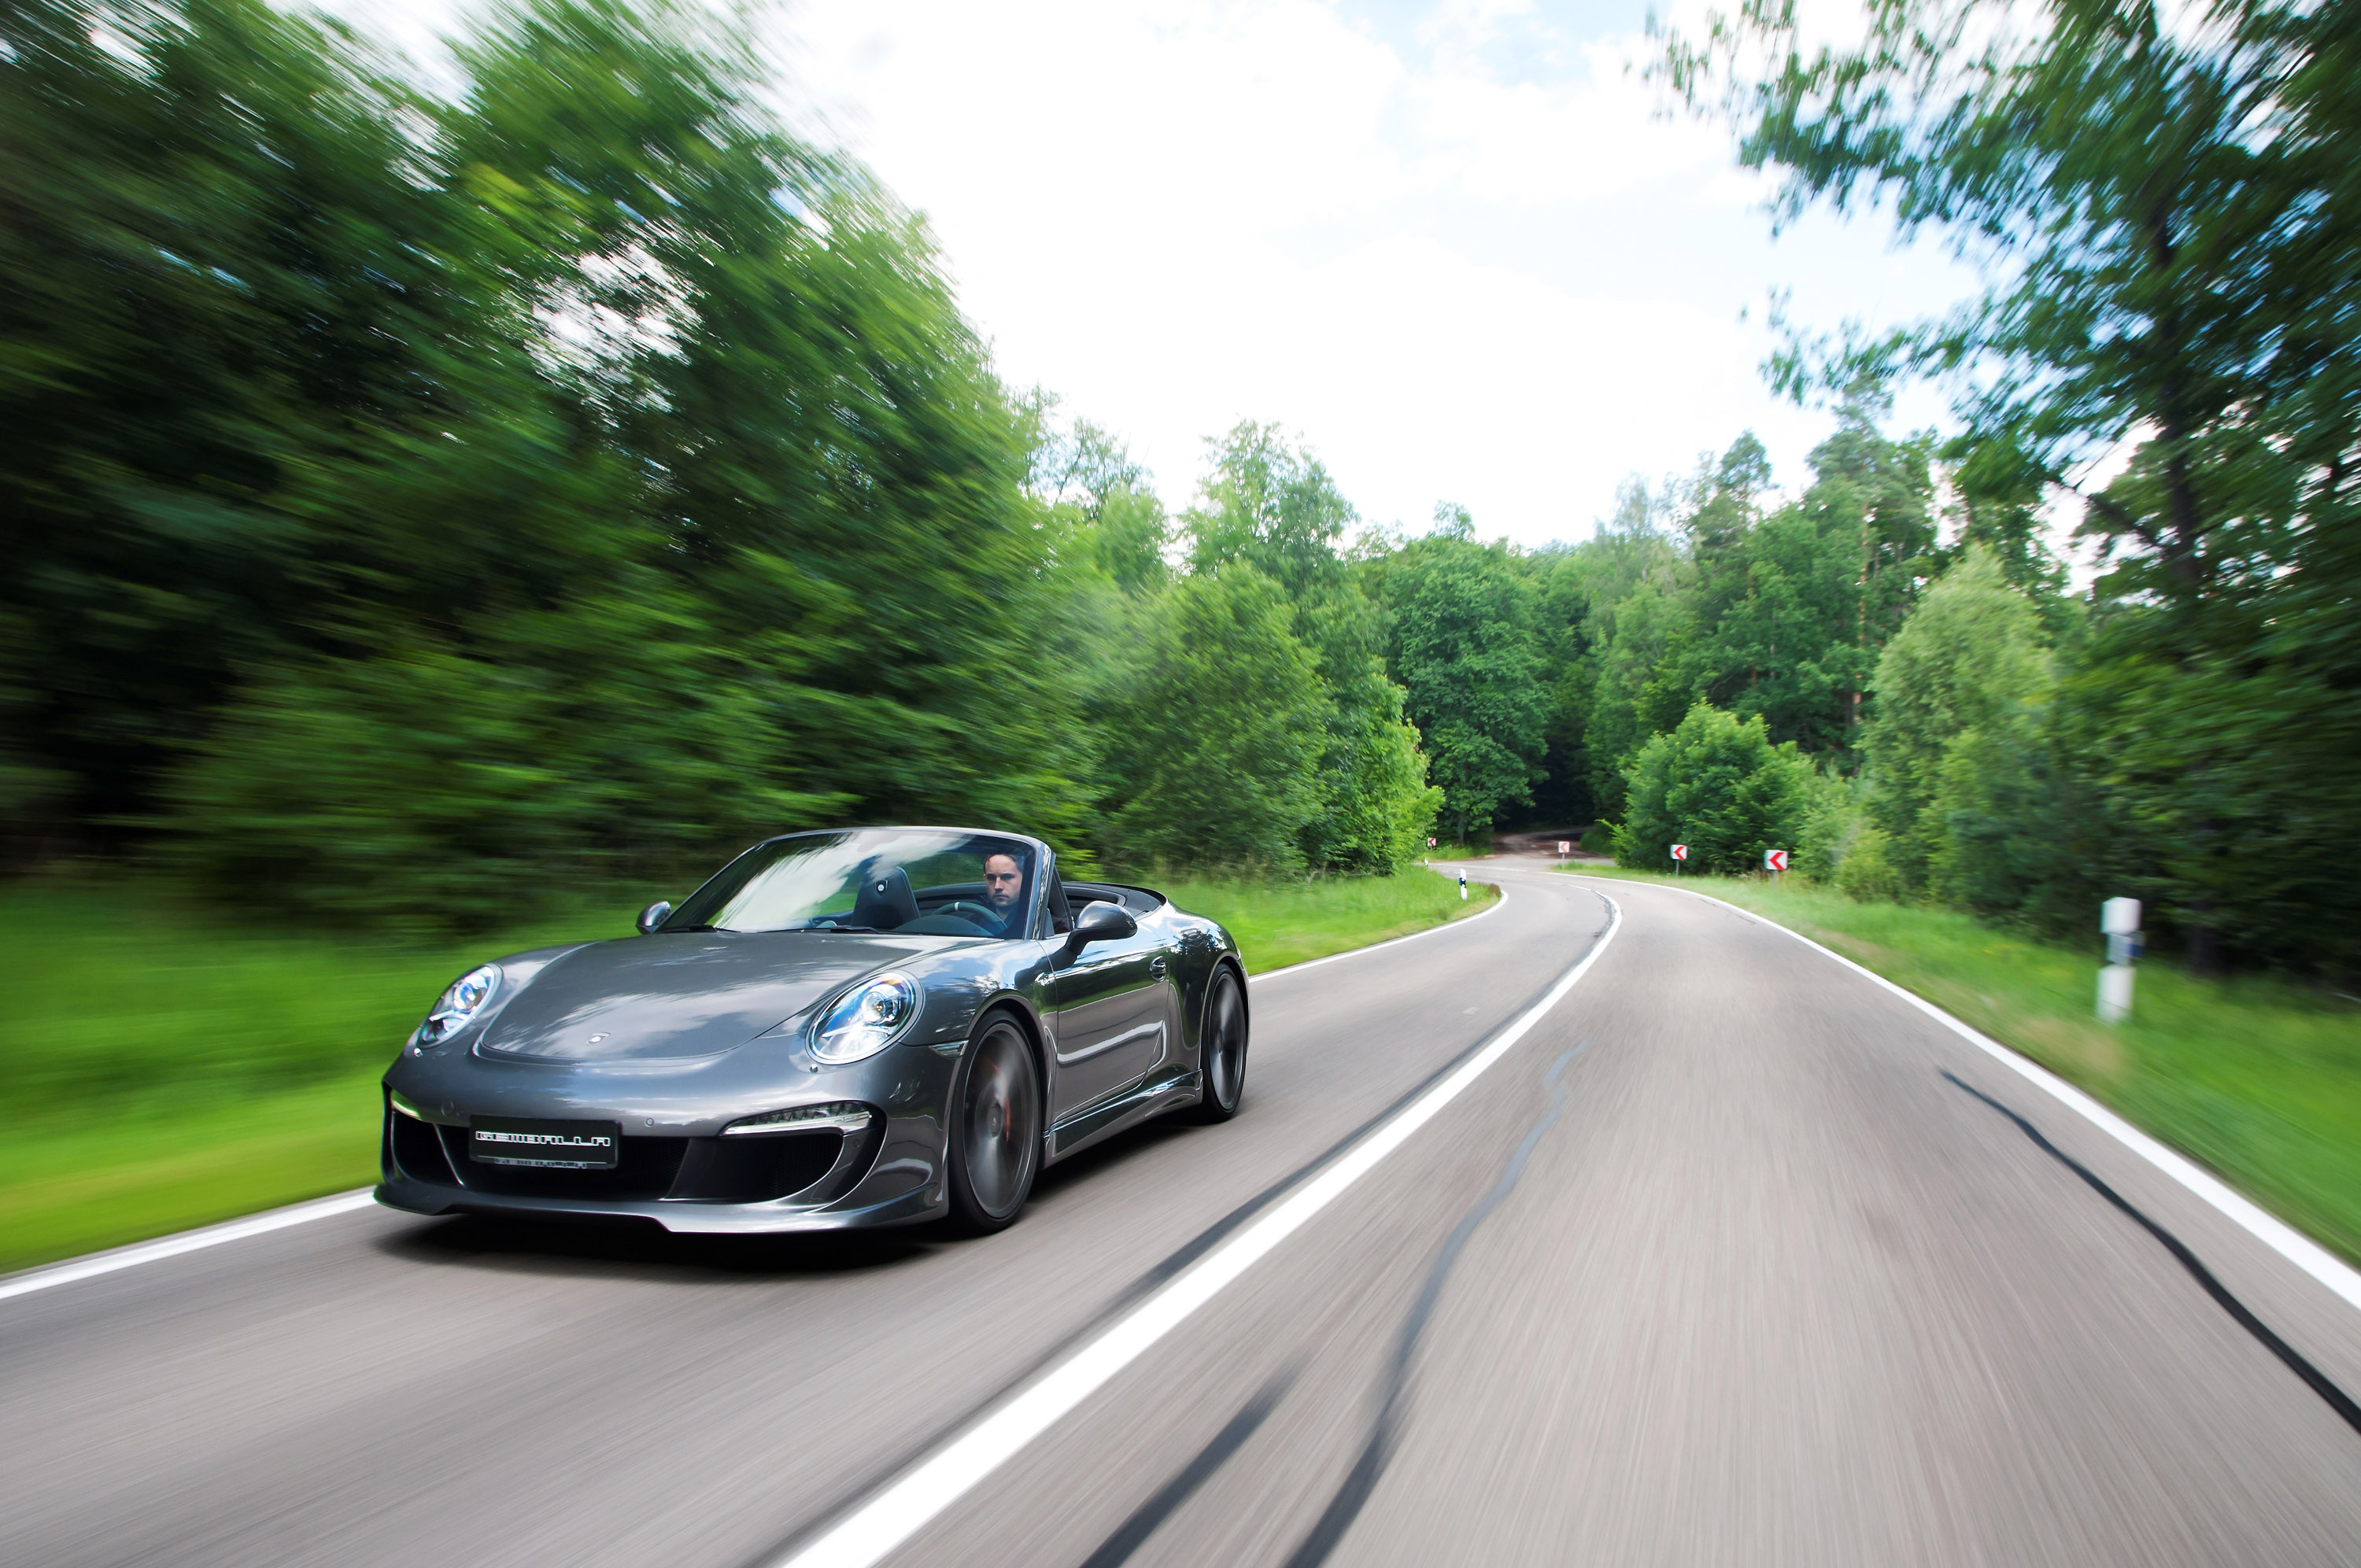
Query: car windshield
{"type": "Point", "coordinates": [915, 881]}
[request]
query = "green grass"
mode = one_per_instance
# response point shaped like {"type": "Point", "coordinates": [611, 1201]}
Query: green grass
{"type": "Point", "coordinates": [2255, 1077]}
{"type": "Point", "coordinates": [163, 1068]}
{"type": "Point", "coordinates": [1287, 923]}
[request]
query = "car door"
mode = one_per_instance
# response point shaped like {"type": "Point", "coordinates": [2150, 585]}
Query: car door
{"type": "Point", "coordinates": [1115, 1016]}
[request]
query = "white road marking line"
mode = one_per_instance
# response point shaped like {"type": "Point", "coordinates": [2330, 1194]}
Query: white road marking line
{"type": "Point", "coordinates": [2264, 1226]}
{"type": "Point", "coordinates": [1496, 906]}
{"type": "Point", "coordinates": [906, 1506]}
{"type": "Point", "coordinates": [187, 1241]}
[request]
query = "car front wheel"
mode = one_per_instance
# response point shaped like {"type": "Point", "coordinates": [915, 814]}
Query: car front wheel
{"type": "Point", "coordinates": [1222, 1048]}
{"type": "Point", "coordinates": [995, 1143]}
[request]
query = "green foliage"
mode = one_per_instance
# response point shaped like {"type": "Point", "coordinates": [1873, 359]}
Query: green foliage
{"type": "Point", "coordinates": [1270, 509]}
{"type": "Point", "coordinates": [1792, 606]}
{"type": "Point", "coordinates": [2169, 218]}
{"type": "Point", "coordinates": [1462, 646]}
{"type": "Point", "coordinates": [1218, 737]}
{"type": "Point", "coordinates": [1961, 688]}
{"type": "Point", "coordinates": [1866, 872]}
{"type": "Point", "coordinates": [1718, 785]}
{"type": "Point", "coordinates": [579, 473]}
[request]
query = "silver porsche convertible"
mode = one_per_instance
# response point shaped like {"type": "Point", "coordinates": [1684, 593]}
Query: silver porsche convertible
{"type": "Point", "coordinates": [871, 1027]}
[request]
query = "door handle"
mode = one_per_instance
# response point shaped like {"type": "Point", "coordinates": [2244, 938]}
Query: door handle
{"type": "Point", "coordinates": [1156, 967]}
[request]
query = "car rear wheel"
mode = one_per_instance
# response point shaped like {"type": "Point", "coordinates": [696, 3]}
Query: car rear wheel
{"type": "Point", "coordinates": [995, 1144]}
{"type": "Point", "coordinates": [1222, 1048]}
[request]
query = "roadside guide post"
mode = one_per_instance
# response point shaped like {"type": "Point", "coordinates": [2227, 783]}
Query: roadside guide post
{"type": "Point", "coordinates": [1463, 887]}
{"type": "Point", "coordinates": [1775, 862]}
{"type": "Point", "coordinates": [2120, 919]}
{"type": "Point", "coordinates": [1680, 853]}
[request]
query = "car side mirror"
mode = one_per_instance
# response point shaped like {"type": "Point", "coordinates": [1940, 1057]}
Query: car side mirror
{"type": "Point", "coordinates": [1100, 922]}
{"type": "Point", "coordinates": [653, 917]}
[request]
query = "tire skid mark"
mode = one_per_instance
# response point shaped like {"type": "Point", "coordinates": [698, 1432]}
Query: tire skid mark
{"type": "Point", "coordinates": [1133, 1534]}
{"type": "Point", "coordinates": [2317, 1380]}
{"type": "Point", "coordinates": [1345, 1506]}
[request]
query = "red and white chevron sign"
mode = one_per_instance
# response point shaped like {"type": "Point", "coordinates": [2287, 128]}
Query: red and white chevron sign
{"type": "Point", "coordinates": [1680, 851]}
{"type": "Point", "coordinates": [1774, 859]}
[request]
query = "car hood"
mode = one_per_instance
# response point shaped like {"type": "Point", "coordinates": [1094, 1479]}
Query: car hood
{"type": "Point", "coordinates": [692, 995]}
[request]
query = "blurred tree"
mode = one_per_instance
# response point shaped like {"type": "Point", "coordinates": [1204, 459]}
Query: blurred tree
{"type": "Point", "coordinates": [578, 474]}
{"type": "Point", "coordinates": [216, 287]}
{"type": "Point", "coordinates": [2167, 209]}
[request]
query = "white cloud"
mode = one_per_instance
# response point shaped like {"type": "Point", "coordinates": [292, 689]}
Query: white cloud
{"type": "Point", "coordinates": [1464, 255]}
{"type": "Point", "coordinates": [1125, 196]}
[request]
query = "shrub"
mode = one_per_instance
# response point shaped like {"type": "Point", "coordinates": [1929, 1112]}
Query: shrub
{"type": "Point", "coordinates": [1718, 785]}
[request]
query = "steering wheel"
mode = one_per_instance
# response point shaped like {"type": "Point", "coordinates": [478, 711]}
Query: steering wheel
{"type": "Point", "coordinates": [970, 910]}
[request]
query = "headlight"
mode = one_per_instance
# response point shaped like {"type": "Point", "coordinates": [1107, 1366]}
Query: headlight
{"type": "Point", "coordinates": [457, 1007]}
{"type": "Point", "coordinates": [869, 1018]}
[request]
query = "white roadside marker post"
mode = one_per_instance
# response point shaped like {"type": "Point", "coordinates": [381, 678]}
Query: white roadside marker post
{"type": "Point", "coordinates": [2120, 919]}
{"type": "Point", "coordinates": [1463, 887]}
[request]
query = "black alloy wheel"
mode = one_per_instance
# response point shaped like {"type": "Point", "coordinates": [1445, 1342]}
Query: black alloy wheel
{"type": "Point", "coordinates": [1222, 1048]}
{"type": "Point", "coordinates": [996, 1145]}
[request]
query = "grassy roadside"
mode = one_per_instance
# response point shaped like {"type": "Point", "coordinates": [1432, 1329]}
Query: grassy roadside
{"type": "Point", "coordinates": [163, 1069]}
{"type": "Point", "coordinates": [2255, 1078]}
{"type": "Point", "coordinates": [1291, 923]}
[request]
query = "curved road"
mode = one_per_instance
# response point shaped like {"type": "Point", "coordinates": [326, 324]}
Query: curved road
{"type": "Point", "coordinates": [1733, 1257]}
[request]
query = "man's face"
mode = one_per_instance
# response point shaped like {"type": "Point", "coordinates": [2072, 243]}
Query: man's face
{"type": "Point", "coordinates": [1001, 881]}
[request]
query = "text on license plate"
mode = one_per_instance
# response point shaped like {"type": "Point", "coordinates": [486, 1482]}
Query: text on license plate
{"type": "Point", "coordinates": [567, 1145]}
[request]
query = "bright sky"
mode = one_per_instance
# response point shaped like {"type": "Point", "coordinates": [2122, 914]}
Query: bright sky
{"type": "Point", "coordinates": [1452, 246]}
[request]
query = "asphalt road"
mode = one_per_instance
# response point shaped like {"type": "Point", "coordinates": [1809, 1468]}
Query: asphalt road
{"type": "Point", "coordinates": [1716, 1266]}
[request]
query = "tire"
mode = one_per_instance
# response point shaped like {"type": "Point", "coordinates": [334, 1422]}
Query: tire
{"type": "Point", "coordinates": [995, 1129]}
{"type": "Point", "coordinates": [1222, 1048]}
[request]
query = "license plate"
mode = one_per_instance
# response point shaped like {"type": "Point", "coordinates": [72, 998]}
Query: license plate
{"type": "Point", "coordinates": [562, 1146]}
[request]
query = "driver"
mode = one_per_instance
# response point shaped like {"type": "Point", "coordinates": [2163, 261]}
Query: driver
{"type": "Point", "coordinates": [1003, 885]}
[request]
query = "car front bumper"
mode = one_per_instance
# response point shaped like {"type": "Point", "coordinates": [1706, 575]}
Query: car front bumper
{"type": "Point", "coordinates": [675, 1166]}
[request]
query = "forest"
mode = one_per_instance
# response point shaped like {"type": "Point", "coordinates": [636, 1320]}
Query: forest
{"type": "Point", "coordinates": [415, 502]}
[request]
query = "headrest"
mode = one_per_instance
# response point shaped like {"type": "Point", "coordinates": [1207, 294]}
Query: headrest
{"type": "Point", "coordinates": [885, 901]}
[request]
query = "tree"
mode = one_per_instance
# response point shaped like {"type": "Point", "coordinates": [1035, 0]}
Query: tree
{"type": "Point", "coordinates": [1272, 506]}
{"type": "Point", "coordinates": [222, 276]}
{"type": "Point", "coordinates": [572, 476]}
{"type": "Point", "coordinates": [1718, 785]}
{"type": "Point", "coordinates": [1219, 738]}
{"type": "Point", "coordinates": [2165, 209]}
{"type": "Point", "coordinates": [1462, 644]}
{"type": "Point", "coordinates": [1794, 606]}
{"type": "Point", "coordinates": [1957, 755]}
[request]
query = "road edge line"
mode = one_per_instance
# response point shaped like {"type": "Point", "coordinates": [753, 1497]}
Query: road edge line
{"type": "Point", "coordinates": [897, 1510]}
{"type": "Point", "coordinates": [90, 1264]}
{"type": "Point", "coordinates": [2290, 1244]}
